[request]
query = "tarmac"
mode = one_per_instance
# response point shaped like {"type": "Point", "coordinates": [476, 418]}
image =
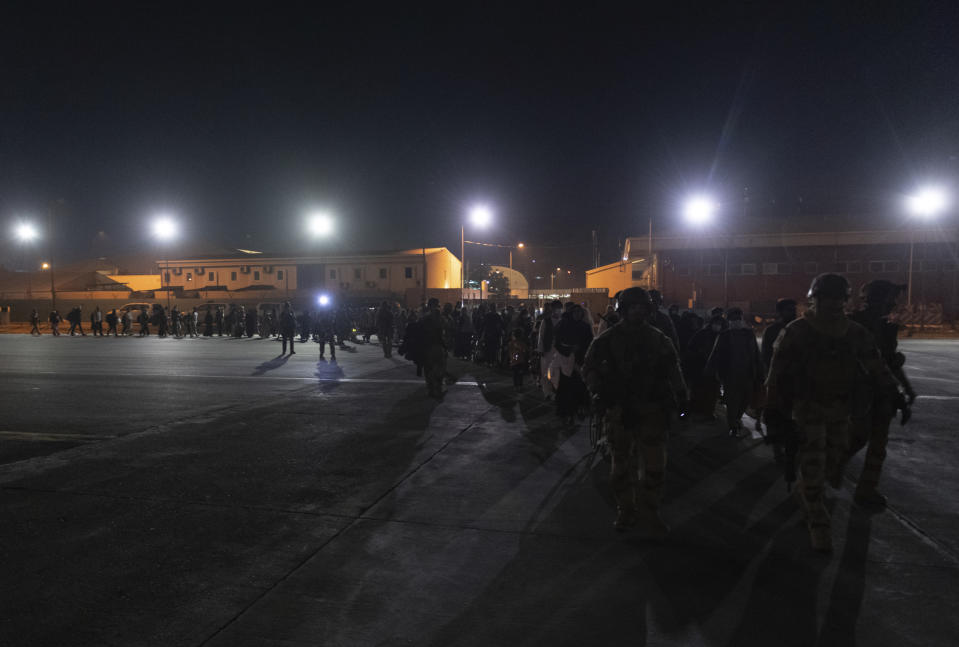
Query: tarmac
{"type": "Point", "coordinates": [208, 492]}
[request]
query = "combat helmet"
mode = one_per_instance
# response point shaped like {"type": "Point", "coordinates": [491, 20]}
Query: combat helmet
{"type": "Point", "coordinates": [632, 296]}
{"type": "Point", "coordinates": [880, 290]}
{"type": "Point", "coordinates": [830, 286]}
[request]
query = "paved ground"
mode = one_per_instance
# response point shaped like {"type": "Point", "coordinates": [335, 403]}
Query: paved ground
{"type": "Point", "coordinates": [204, 492]}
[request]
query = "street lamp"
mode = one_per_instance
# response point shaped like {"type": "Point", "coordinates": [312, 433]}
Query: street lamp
{"type": "Point", "coordinates": [165, 229]}
{"type": "Point", "coordinates": [480, 216]}
{"type": "Point", "coordinates": [26, 233]}
{"type": "Point", "coordinates": [926, 204]}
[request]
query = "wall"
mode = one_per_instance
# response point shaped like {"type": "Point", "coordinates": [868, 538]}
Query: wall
{"type": "Point", "coordinates": [787, 272]}
{"type": "Point", "coordinates": [137, 282]}
{"type": "Point", "coordinates": [615, 277]}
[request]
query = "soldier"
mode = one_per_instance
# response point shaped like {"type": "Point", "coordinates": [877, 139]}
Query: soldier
{"type": "Point", "coordinates": [127, 320]}
{"type": "Point", "coordinates": [632, 371]}
{"type": "Point", "coordinates": [219, 321]}
{"type": "Point", "coordinates": [54, 323]}
{"type": "Point", "coordinates": [870, 429]}
{"type": "Point", "coordinates": [34, 322]}
{"type": "Point", "coordinates": [817, 362]}
{"type": "Point", "coordinates": [325, 332]}
{"type": "Point", "coordinates": [287, 327]}
{"type": "Point", "coordinates": [384, 328]}
{"type": "Point", "coordinates": [433, 334]}
{"type": "Point", "coordinates": [175, 320]}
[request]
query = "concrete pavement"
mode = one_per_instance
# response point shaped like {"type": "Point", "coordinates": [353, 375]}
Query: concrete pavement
{"type": "Point", "coordinates": [205, 492]}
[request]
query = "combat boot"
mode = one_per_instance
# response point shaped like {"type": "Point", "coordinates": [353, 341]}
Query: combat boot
{"type": "Point", "coordinates": [869, 497]}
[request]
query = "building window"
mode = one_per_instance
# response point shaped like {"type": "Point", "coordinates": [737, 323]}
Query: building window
{"type": "Point", "coordinates": [637, 274]}
{"type": "Point", "coordinates": [382, 272]}
{"type": "Point", "coordinates": [279, 275]}
{"type": "Point", "coordinates": [189, 276]}
{"type": "Point", "coordinates": [770, 268]}
{"type": "Point", "coordinates": [890, 266]}
{"type": "Point", "coordinates": [166, 278]}
{"type": "Point", "coordinates": [357, 273]}
{"type": "Point", "coordinates": [408, 272]}
{"type": "Point", "coordinates": [256, 275]}
{"type": "Point", "coordinates": [875, 266]}
{"type": "Point", "coordinates": [714, 270]}
{"type": "Point", "coordinates": [749, 268]}
{"type": "Point", "coordinates": [854, 267]}
{"type": "Point", "coordinates": [232, 276]}
{"type": "Point", "coordinates": [948, 266]}
{"type": "Point", "coordinates": [682, 271]}
{"type": "Point", "coordinates": [811, 267]}
{"type": "Point", "coordinates": [928, 266]}
{"type": "Point", "coordinates": [210, 277]}
{"type": "Point", "coordinates": [333, 274]}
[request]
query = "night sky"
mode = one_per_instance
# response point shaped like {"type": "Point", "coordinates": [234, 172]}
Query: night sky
{"type": "Point", "coordinates": [241, 120]}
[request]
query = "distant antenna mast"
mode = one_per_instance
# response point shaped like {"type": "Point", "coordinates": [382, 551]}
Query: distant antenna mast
{"type": "Point", "coordinates": [595, 251]}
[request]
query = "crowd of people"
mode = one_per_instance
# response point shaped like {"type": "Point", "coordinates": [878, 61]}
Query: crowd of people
{"type": "Point", "coordinates": [825, 384]}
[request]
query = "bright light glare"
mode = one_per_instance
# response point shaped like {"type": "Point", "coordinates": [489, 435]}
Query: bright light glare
{"type": "Point", "coordinates": [45, 266]}
{"type": "Point", "coordinates": [323, 300]}
{"type": "Point", "coordinates": [699, 210]}
{"type": "Point", "coordinates": [521, 245]}
{"type": "Point", "coordinates": [320, 224]}
{"type": "Point", "coordinates": [165, 228]}
{"type": "Point", "coordinates": [928, 202]}
{"type": "Point", "coordinates": [481, 216]}
{"type": "Point", "coordinates": [26, 232]}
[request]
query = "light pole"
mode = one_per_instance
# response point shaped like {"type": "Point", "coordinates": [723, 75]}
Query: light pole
{"type": "Point", "coordinates": [480, 216]}
{"type": "Point", "coordinates": [699, 211]}
{"type": "Point", "coordinates": [926, 204]}
{"type": "Point", "coordinates": [26, 233]}
{"type": "Point", "coordinates": [165, 229]}
{"type": "Point", "coordinates": [553, 275]}
{"type": "Point", "coordinates": [320, 224]}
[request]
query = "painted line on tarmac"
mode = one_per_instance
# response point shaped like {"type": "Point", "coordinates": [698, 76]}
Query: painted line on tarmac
{"type": "Point", "coordinates": [361, 380]}
{"type": "Point", "coordinates": [51, 437]}
{"type": "Point", "coordinates": [937, 397]}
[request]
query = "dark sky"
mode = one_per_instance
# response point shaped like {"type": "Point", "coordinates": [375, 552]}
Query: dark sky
{"type": "Point", "coordinates": [564, 121]}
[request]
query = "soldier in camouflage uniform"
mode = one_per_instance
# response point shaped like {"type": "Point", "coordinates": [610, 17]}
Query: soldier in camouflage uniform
{"type": "Point", "coordinates": [818, 361]}
{"type": "Point", "coordinates": [870, 429]}
{"type": "Point", "coordinates": [632, 371]}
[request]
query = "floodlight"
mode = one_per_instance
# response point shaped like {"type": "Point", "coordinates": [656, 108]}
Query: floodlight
{"type": "Point", "coordinates": [699, 210]}
{"type": "Point", "coordinates": [320, 224]}
{"type": "Point", "coordinates": [928, 202]}
{"type": "Point", "coordinates": [481, 216]}
{"type": "Point", "coordinates": [25, 232]}
{"type": "Point", "coordinates": [323, 299]}
{"type": "Point", "coordinates": [165, 228]}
